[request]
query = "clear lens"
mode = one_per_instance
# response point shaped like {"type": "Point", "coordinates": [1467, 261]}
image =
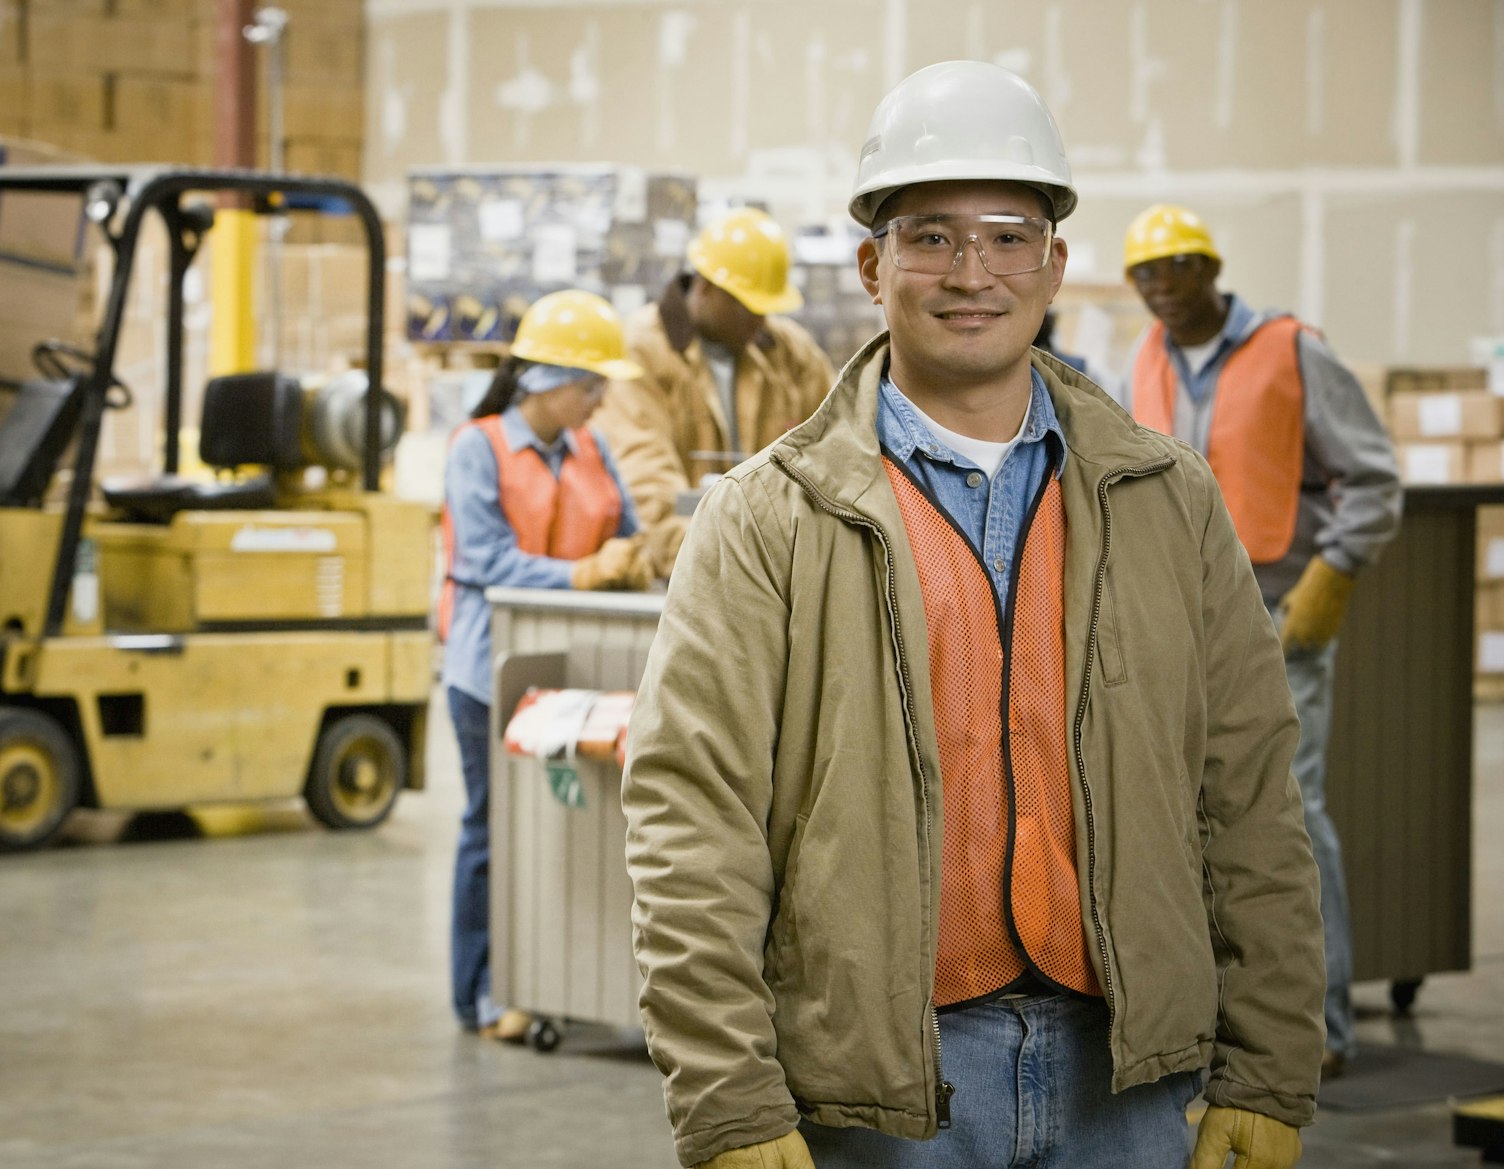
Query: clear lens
{"type": "Point", "coordinates": [1008, 245]}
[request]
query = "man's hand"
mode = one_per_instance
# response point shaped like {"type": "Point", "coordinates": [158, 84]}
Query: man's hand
{"type": "Point", "coordinates": [617, 565]}
{"type": "Point", "coordinates": [1314, 608]}
{"type": "Point", "coordinates": [787, 1152]}
{"type": "Point", "coordinates": [1259, 1141]}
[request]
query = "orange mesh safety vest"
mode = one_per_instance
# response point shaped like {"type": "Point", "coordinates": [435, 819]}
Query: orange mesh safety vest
{"type": "Point", "coordinates": [1009, 898]}
{"type": "Point", "coordinates": [1258, 435]}
{"type": "Point", "coordinates": [568, 518]}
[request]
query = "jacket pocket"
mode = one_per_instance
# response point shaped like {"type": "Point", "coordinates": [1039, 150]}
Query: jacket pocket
{"type": "Point", "coordinates": [1109, 643]}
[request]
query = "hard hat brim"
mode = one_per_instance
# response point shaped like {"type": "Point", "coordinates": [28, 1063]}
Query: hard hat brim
{"type": "Point", "coordinates": [865, 202]}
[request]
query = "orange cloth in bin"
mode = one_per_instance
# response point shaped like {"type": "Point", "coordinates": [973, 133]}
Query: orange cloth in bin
{"type": "Point", "coordinates": [561, 724]}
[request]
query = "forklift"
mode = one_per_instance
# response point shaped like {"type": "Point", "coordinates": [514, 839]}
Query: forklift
{"type": "Point", "coordinates": [178, 641]}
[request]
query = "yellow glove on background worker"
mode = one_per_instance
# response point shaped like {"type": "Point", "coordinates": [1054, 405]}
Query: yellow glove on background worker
{"type": "Point", "coordinates": [617, 564]}
{"type": "Point", "coordinates": [787, 1152]}
{"type": "Point", "coordinates": [1257, 1141]}
{"type": "Point", "coordinates": [1314, 608]}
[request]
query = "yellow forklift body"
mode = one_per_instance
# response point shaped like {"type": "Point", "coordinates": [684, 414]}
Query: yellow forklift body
{"type": "Point", "coordinates": [213, 717]}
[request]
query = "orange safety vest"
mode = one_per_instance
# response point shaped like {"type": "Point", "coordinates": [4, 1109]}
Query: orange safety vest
{"type": "Point", "coordinates": [568, 518]}
{"type": "Point", "coordinates": [1258, 434]}
{"type": "Point", "coordinates": [1009, 897]}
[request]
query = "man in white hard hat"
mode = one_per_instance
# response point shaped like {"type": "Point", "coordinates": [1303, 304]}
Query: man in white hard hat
{"type": "Point", "coordinates": [960, 816]}
{"type": "Point", "coordinates": [724, 375]}
{"type": "Point", "coordinates": [1309, 476]}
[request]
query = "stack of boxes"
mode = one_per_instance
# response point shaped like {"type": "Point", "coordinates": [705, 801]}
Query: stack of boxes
{"type": "Point", "coordinates": [132, 80]}
{"type": "Point", "coordinates": [1447, 425]}
{"type": "Point", "coordinates": [482, 245]}
{"type": "Point", "coordinates": [838, 311]}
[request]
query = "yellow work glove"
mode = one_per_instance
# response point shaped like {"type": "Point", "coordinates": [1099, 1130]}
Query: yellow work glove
{"type": "Point", "coordinates": [787, 1152]}
{"type": "Point", "coordinates": [618, 564]}
{"type": "Point", "coordinates": [1257, 1141]}
{"type": "Point", "coordinates": [1313, 609]}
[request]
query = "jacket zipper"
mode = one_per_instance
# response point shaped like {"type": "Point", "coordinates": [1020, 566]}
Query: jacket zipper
{"type": "Point", "coordinates": [1091, 648]}
{"type": "Point", "coordinates": [943, 1089]}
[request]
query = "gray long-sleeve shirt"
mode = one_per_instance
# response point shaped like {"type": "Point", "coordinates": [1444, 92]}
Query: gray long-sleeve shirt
{"type": "Point", "coordinates": [1350, 499]}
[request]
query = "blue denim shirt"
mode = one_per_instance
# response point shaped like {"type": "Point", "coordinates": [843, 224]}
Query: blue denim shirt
{"type": "Point", "coordinates": [1234, 333]}
{"type": "Point", "coordinates": [485, 546]}
{"type": "Point", "coordinates": [990, 514]}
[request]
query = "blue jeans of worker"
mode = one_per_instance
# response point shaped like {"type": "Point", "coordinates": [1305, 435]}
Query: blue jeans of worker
{"type": "Point", "coordinates": [470, 935]}
{"type": "Point", "coordinates": [1310, 676]}
{"type": "Point", "coordinates": [1033, 1088]}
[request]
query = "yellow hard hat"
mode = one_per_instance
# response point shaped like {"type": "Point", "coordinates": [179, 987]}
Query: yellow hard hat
{"type": "Point", "coordinates": [746, 254]}
{"type": "Point", "coordinates": [1166, 230]}
{"type": "Point", "coordinates": [576, 329]}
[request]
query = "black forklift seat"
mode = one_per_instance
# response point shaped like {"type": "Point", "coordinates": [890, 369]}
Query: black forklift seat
{"type": "Point", "coordinates": [33, 436]}
{"type": "Point", "coordinates": [249, 419]}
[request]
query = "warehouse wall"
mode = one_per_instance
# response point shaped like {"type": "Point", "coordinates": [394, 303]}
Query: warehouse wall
{"type": "Point", "coordinates": [1349, 153]}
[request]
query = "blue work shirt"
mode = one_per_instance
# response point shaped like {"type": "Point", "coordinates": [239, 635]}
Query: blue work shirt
{"type": "Point", "coordinates": [990, 514]}
{"type": "Point", "coordinates": [485, 546]}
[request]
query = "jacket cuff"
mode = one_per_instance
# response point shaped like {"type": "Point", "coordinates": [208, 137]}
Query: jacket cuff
{"type": "Point", "coordinates": [1226, 1093]}
{"type": "Point", "coordinates": [767, 1124]}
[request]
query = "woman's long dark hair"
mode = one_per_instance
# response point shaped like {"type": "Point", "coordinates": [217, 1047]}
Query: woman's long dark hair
{"type": "Point", "coordinates": [502, 390]}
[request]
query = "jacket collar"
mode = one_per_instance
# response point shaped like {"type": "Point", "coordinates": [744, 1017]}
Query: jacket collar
{"type": "Point", "coordinates": [673, 312]}
{"type": "Point", "coordinates": [836, 451]}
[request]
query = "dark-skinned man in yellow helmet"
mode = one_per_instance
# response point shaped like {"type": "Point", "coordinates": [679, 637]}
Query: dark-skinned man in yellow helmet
{"type": "Point", "coordinates": [1310, 479]}
{"type": "Point", "coordinates": [724, 375]}
{"type": "Point", "coordinates": [958, 797]}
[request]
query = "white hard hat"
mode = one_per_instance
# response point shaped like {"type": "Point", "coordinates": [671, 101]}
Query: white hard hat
{"type": "Point", "coordinates": [961, 120]}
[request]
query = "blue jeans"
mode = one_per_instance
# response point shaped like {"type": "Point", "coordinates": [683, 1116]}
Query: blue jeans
{"type": "Point", "coordinates": [470, 935]}
{"type": "Point", "coordinates": [1033, 1089]}
{"type": "Point", "coordinates": [1310, 676]}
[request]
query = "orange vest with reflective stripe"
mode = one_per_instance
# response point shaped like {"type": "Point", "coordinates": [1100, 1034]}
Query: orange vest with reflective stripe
{"type": "Point", "coordinates": [568, 518]}
{"type": "Point", "coordinates": [1258, 434]}
{"type": "Point", "coordinates": [1009, 898]}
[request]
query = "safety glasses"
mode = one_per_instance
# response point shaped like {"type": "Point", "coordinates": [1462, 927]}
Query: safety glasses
{"type": "Point", "coordinates": [1008, 245]}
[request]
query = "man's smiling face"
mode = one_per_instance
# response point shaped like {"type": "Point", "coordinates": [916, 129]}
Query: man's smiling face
{"type": "Point", "coordinates": [965, 326]}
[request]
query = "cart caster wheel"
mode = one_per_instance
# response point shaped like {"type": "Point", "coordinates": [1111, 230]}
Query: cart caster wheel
{"type": "Point", "coordinates": [543, 1035]}
{"type": "Point", "coordinates": [1402, 992]}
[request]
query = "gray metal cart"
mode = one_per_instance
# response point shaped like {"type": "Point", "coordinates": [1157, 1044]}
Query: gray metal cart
{"type": "Point", "coordinates": [561, 903]}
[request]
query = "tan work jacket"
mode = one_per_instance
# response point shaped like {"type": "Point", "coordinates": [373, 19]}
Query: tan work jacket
{"type": "Point", "coordinates": [657, 425]}
{"type": "Point", "coordinates": [783, 790]}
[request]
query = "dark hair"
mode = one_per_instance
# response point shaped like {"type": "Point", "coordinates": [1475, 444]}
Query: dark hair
{"type": "Point", "coordinates": [502, 390]}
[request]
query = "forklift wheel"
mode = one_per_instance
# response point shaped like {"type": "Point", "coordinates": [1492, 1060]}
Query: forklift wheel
{"type": "Point", "coordinates": [359, 766]}
{"type": "Point", "coordinates": [39, 778]}
{"type": "Point", "coordinates": [543, 1035]}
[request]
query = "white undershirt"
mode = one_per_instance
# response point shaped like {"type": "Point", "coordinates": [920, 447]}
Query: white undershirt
{"type": "Point", "coordinates": [1196, 356]}
{"type": "Point", "coordinates": [988, 456]}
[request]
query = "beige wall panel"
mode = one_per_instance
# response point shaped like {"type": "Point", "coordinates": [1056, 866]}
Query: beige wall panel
{"type": "Point", "coordinates": [406, 71]}
{"type": "Point", "coordinates": [1383, 306]}
{"type": "Point", "coordinates": [1462, 80]}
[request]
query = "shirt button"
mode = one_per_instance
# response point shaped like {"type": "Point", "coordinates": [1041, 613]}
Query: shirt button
{"type": "Point", "coordinates": [974, 479]}
{"type": "Point", "coordinates": [997, 563]}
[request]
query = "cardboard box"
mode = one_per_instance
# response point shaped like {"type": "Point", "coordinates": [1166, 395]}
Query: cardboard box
{"type": "Point", "coordinates": [59, 42]}
{"type": "Point", "coordinates": [325, 51]}
{"type": "Point", "coordinates": [320, 111]}
{"type": "Point", "coordinates": [1491, 543]}
{"type": "Point", "coordinates": [321, 156]}
{"type": "Point", "coordinates": [37, 303]}
{"type": "Point", "coordinates": [40, 229]}
{"type": "Point", "coordinates": [1490, 606]}
{"type": "Point", "coordinates": [1485, 462]}
{"type": "Point", "coordinates": [13, 83]}
{"type": "Point", "coordinates": [65, 102]}
{"type": "Point", "coordinates": [1472, 414]}
{"type": "Point", "coordinates": [159, 119]}
{"type": "Point", "coordinates": [11, 45]}
{"type": "Point", "coordinates": [1431, 379]}
{"type": "Point", "coordinates": [1432, 463]}
{"type": "Point", "coordinates": [1491, 651]}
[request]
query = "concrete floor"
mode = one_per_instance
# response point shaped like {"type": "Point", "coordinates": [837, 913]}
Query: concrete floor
{"type": "Point", "coordinates": [277, 998]}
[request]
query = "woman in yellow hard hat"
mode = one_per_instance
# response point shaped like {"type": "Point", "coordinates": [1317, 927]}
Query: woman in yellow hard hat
{"type": "Point", "coordinates": [532, 500]}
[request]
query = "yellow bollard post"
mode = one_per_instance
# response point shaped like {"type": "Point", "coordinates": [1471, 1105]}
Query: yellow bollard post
{"type": "Point", "coordinates": [232, 337]}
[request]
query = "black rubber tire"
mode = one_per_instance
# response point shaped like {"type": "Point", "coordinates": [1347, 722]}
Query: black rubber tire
{"type": "Point", "coordinates": [359, 769]}
{"type": "Point", "coordinates": [543, 1035]}
{"type": "Point", "coordinates": [40, 778]}
{"type": "Point", "coordinates": [1402, 992]}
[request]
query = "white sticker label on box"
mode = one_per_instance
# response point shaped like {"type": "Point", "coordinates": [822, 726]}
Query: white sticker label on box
{"type": "Point", "coordinates": [670, 237]}
{"type": "Point", "coordinates": [1428, 464]}
{"type": "Point", "coordinates": [1440, 414]}
{"type": "Point", "coordinates": [631, 195]}
{"type": "Point", "coordinates": [500, 219]}
{"type": "Point", "coordinates": [1491, 653]}
{"type": "Point", "coordinates": [554, 254]}
{"type": "Point", "coordinates": [253, 539]}
{"type": "Point", "coordinates": [1493, 557]}
{"type": "Point", "coordinates": [428, 247]}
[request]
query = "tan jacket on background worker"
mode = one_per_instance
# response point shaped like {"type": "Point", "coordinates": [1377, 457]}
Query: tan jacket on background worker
{"type": "Point", "coordinates": [670, 429]}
